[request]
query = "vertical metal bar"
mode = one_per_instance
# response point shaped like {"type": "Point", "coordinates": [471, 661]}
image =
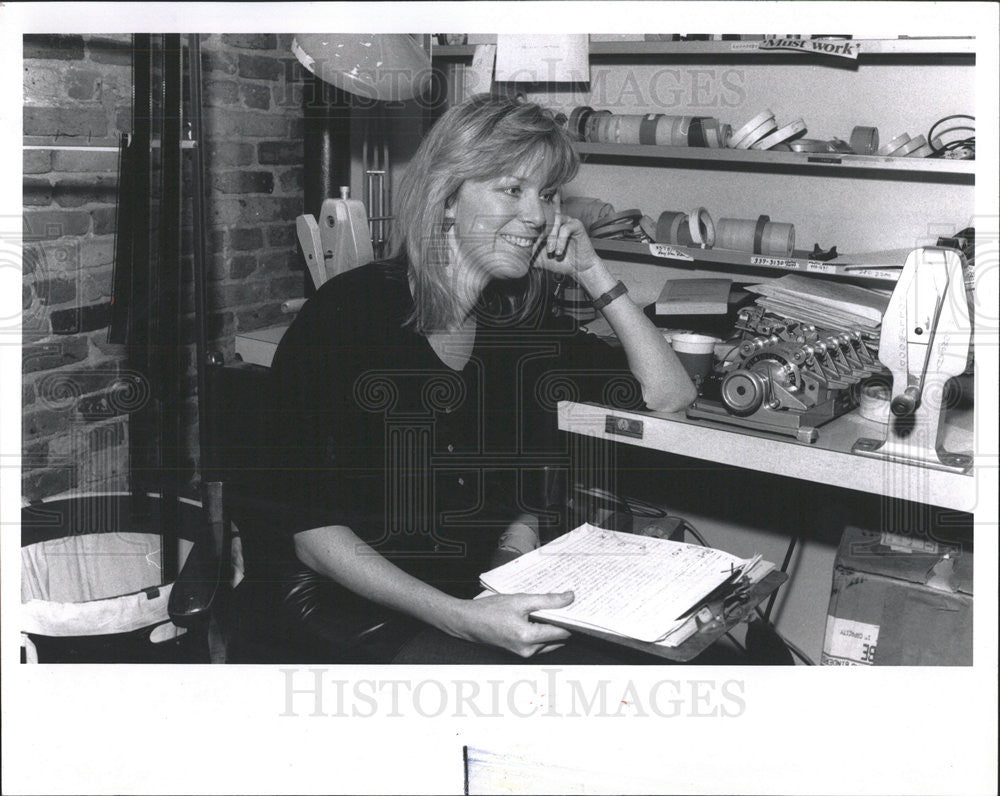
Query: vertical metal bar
{"type": "Point", "coordinates": [141, 428]}
{"type": "Point", "coordinates": [168, 338]}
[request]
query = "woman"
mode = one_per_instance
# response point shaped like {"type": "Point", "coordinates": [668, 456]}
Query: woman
{"type": "Point", "coordinates": [412, 397]}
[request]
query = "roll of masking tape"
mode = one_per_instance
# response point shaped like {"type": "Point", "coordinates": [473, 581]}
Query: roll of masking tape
{"type": "Point", "coordinates": [577, 118]}
{"type": "Point", "coordinates": [701, 227]}
{"type": "Point", "coordinates": [751, 125]}
{"type": "Point", "coordinates": [910, 146]}
{"type": "Point", "coordinates": [647, 129]}
{"type": "Point", "coordinates": [627, 129]}
{"type": "Point", "coordinates": [894, 144]}
{"type": "Point", "coordinates": [758, 233]}
{"type": "Point", "coordinates": [667, 226]}
{"type": "Point", "coordinates": [604, 133]}
{"type": "Point", "coordinates": [735, 234]}
{"type": "Point", "coordinates": [778, 239]}
{"type": "Point", "coordinates": [781, 135]}
{"type": "Point", "coordinates": [679, 130]}
{"type": "Point", "coordinates": [664, 127]}
{"type": "Point", "coordinates": [921, 152]}
{"type": "Point", "coordinates": [864, 140]}
{"type": "Point", "coordinates": [757, 134]}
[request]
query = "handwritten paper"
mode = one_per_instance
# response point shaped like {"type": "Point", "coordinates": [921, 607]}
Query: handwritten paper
{"type": "Point", "coordinates": [631, 585]}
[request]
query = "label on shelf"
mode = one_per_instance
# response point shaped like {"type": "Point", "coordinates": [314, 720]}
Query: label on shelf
{"type": "Point", "coordinates": [662, 250]}
{"type": "Point", "coordinates": [820, 268]}
{"type": "Point", "coordinates": [875, 273]}
{"type": "Point", "coordinates": [774, 262]}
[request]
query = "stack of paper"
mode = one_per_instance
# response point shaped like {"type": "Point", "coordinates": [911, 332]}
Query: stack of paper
{"type": "Point", "coordinates": [634, 586]}
{"type": "Point", "coordinates": [824, 303]}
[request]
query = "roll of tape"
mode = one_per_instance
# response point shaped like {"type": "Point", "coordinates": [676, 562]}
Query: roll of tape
{"type": "Point", "coordinates": [577, 118]}
{"type": "Point", "coordinates": [810, 145]}
{"type": "Point", "coordinates": [725, 135]}
{"type": "Point", "coordinates": [758, 233]}
{"type": "Point", "coordinates": [604, 121]}
{"type": "Point", "coordinates": [609, 230]}
{"type": "Point", "coordinates": [864, 140]}
{"type": "Point", "coordinates": [664, 126]}
{"type": "Point", "coordinates": [894, 144]}
{"type": "Point", "coordinates": [696, 132]}
{"type": "Point", "coordinates": [751, 125]}
{"type": "Point", "coordinates": [921, 152]}
{"type": "Point", "coordinates": [910, 146]}
{"type": "Point", "coordinates": [874, 402]}
{"type": "Point", "coordinates": [647, 129]}
{"type": "Point", "coordinates": [778, 239]}
{"type": "Point", "coordinates": [781, 135]}
{"type": "Point", "coordinates": [648, 227]}
{"type": "Point", "coordinates": [701, 227]}
{"type": "Point", "coordinates": [679, 130]}
{"type": "Point", "coordinates": [667, 225]}
{"type": "Point", "coordinates": [631, 216]}
{"type": "Point", "coordinates": [757, 134]}
{"type": "Point", "coordinates": [628, 128]}
{"type": "Point", "coordinates": [735, 234]}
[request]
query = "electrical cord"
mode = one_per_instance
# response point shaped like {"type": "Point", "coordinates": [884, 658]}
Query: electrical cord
{"type": "Point", "coordinates": [968, 142]}
{"type": "Point", "coordinates": [784, 568]}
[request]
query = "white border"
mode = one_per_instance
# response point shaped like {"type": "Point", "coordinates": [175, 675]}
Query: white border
{"type": "Point", "coordinates": [123, 729]}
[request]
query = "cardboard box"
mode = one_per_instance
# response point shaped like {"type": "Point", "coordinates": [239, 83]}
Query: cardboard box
{"type": "Point", "coordinates": [899, 601]}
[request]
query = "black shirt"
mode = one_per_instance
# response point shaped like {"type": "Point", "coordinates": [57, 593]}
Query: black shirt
{"type": "Point", "coordinates": [367, 427]}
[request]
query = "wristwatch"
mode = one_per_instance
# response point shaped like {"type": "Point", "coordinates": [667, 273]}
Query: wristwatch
{"type": "Point", "coordinates": [604, 299]}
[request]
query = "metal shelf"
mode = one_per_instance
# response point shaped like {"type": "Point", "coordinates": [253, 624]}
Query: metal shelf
{"type": "Point", "coordinates": [764, 160]}
{"type": "Point", "coordinates": [880, 266]}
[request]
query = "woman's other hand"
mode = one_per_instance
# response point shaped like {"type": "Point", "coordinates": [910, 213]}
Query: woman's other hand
{"type": "Point", "coordinates": [566, 248]}
{"type": "Point", "coordinates": [502, 620]}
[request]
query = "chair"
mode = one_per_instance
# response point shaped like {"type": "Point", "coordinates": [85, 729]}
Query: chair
{"type": "Point", "coordinates": [302, 617]}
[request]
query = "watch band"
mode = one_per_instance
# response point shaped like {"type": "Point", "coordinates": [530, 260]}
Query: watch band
{"type": "Point", "coordinates": [606, 298]}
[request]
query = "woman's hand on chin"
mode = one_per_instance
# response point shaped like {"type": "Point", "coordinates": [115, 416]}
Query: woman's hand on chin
{"type": "Point", "coordinates": [501, 620]}
{"type": "Point", "coordinates": [566, 249]}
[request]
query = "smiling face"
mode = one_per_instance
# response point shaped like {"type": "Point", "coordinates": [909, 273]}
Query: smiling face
{"type": "Point", "coordinates": [500, 223]}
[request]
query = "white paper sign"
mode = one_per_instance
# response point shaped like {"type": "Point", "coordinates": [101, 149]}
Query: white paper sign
{"type": "Point", "coordinates": [542, 59]}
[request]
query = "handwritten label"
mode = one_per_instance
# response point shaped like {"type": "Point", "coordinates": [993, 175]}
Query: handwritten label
{"type": "Point", "coordinates": [773, 262]}
{"type": "Point", "coordinates": [841, 49]}
{"type": "Point", "coordinates": [820, 268]}
{"type": "Point", "coordinates": [876, 273]}
{"type": "Point", "coordinates": [849, 643]}
{"type": "Point", "coordinates": [662, 250]}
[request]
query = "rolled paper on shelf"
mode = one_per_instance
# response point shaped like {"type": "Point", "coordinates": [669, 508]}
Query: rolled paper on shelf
{"type": "Point", "coordinates": [753, 124]}
{"type": "Point", "coordinates": [647, 128]}
{"type": "Point", "coordinates": [755, 135]}
{"type": "Point", "coordinates": [780, 136]}
{"type": "Point", "coordinates": [894, 144]}
{"type": "Point", "coordinates": [667, 226]}
{"type": "Point", "coordinates": [864, 140]}
{"type": "Point", "coordinates": [701, 228]}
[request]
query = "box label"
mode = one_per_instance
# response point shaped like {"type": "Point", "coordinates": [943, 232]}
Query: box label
{"type": "Point", "coordinates": [774, 262]}
{"type": "Point", "coordinates": [849, 643]}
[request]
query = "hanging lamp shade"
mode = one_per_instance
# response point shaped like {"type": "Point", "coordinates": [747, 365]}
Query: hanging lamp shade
{"type": "Point", "coordinates": [377, 66]}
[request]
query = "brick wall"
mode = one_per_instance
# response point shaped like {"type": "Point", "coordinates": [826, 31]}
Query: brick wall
{"type": "Point", "coordinates": [78, 392]}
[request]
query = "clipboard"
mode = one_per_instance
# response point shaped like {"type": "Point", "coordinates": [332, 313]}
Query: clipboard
{"type": "Point", "coordinates": [703, 633]}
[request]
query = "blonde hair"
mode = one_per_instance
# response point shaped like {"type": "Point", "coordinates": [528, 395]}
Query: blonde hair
{"type": "Point", "coordinates": [483, 138]}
